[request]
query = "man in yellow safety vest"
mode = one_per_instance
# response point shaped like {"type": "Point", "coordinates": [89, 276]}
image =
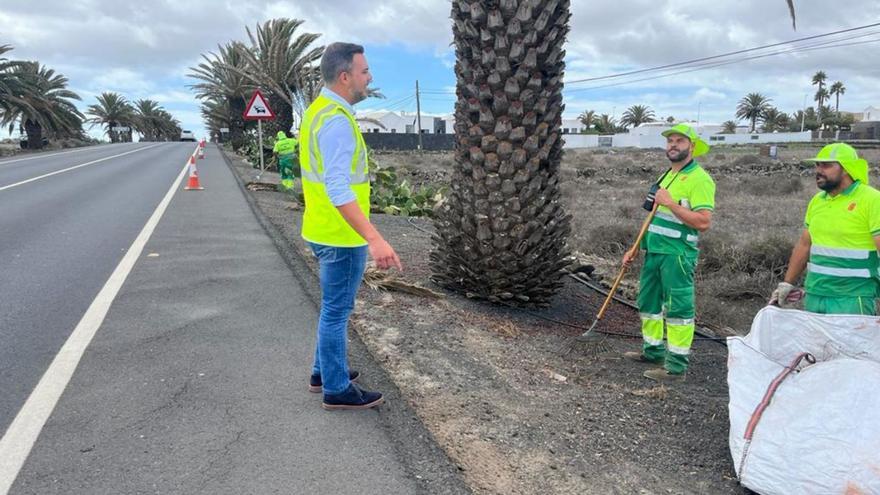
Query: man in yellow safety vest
{"type": "Point", "coordinates": [336, 221]}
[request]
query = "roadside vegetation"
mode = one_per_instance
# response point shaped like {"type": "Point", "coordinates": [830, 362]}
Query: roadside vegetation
{"type": "Point", "coordinates": [36, 101]}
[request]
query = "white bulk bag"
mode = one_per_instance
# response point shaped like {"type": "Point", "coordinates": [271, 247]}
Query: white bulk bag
{"type": "Point", "coordinates": [814, 427]}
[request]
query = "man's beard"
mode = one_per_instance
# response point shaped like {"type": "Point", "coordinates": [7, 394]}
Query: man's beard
{"type": "Point", "coordinates": [679, 157]}
{"type": "Point", "coordinates": [359, 96]}
{"type": "Point", "coordinates": [828, 185]}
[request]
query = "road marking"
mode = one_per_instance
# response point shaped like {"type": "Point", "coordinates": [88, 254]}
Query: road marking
{"type": "Point", "coordinates": [20, 437]}
{"type": "Point", "coordinates": [41, 155]}
{"type": "Point", "coordinates": [10, 186]}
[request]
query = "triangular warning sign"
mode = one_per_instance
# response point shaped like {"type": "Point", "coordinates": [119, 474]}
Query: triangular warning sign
{"type": "Point", "coordinates": [258, 109]}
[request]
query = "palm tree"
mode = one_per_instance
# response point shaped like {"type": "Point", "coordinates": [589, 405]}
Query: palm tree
{"type": "Point", "coordinates": [40, 104]}
{"type": "Point", "coordinates": [791, 12]}
{"type": "Point", "coordinates": [588, 118]}
{"type": "Point", "coordinates": [606, 124]}
{"type": "Point", "coordinates": [728, 127]}
{"type": "Point", "coordinates": [223, 81]}
{"type": "Point", "coordinates": [819, 80]}
{"type": "Point", "coordinates": [773, 120]}
{"type": "Point", "coordinates": [168, 128]}
{"type": "Point", "coordinates": [501, 232]}
{"type": "Point", "coordinates": [837, 89]}
{"type": "Point", "coordinates": [112, 110]}
{"type": "Point", "coordinates": [637, 115]}
{"type": "Point", "coordinates": [147, 119]}
{"type": "Point", "coordinates": [274, 61]}
{"type": "Point", "coordinates": [10, 85]}
{"type": "Point", "coordinates": [751, 107]}
{"type": "Point", "coordinates": [215, 113]}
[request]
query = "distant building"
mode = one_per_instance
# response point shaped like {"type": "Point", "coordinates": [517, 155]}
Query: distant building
{"type": "Point", "coordinates": [384, 121]}
{"type": "Point", "coordinates": [871, 114]}
{"type": "Point", "coordinates": [573, 126]}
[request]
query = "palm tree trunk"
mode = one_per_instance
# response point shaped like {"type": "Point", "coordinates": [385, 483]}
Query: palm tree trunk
{"type": "Point", "coordinates": [34, 133]}
{"type": "Point", "coordinates": [501, 233]}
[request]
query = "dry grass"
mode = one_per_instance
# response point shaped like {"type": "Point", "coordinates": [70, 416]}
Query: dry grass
{"type": "Point", "coordinates": [760, 205]}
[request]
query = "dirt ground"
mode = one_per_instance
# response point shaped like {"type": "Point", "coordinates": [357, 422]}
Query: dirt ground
{"type": "Point", "coordinates": [495, 386]}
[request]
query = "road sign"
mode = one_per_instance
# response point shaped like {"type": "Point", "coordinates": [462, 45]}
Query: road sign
{"type": "Point", "coordinates": [120, 129]}
{"type": "Point", "coordinates": [258, 109]}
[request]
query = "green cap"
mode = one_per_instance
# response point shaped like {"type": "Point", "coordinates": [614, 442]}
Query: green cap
{"type": "Point", "coordinates": [846, 156]}
{"type": "Point", "coordinates": [700, 146]}
{"type": "Point", "coordinates": [280, 135]}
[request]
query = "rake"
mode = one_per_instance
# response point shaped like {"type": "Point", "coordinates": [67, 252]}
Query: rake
{"type": "Point", "coordinates": [591, 337]}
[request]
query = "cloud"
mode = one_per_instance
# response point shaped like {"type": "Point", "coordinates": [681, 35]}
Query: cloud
{"type": "Point", "coordinates": [143, 49]}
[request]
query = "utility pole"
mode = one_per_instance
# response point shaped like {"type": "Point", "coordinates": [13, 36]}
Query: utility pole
{"type": "Point", "coordinates": [804, 112]}
{"type": "Point", "coordinates": [418, 115]}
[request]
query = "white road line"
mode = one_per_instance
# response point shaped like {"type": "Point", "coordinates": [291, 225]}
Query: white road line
{"type": "Point", "coordinates": [20, 437]}
{"type": "Point", "coordinates": [10, 186]}
{"type": "Point", "coordinates": [43, 155]}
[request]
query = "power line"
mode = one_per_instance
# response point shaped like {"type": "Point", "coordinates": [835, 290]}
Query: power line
{"type": "Point", "coordinates": [713, 57]}
{"type": "Point", "coordinates": [719, 64]}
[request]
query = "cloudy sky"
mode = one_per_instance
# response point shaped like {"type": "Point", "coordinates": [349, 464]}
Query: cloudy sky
{"type": "Point", "coordinates": [144, 49]}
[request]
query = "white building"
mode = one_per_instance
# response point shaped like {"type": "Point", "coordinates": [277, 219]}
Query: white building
{"type": "Point", "coordinates": [871, 114]}
{"type": "Point", "coordinates": [384, 121]}
{"type": "Point", "coordinates": [572, 126]}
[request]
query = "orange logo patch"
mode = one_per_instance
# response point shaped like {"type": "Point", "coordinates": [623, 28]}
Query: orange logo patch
{"type": "Point", "coordinates": [851, 207]}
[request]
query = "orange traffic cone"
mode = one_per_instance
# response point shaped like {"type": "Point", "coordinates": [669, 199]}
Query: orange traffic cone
{"type": "Point", "coordinates": [201, 153]}
{"type": "Point", "coordinates": [202, 143]}
{"type": "Point", "coordinates": [193, 184]}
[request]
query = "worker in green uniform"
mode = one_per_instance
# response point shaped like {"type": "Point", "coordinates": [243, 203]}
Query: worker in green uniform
{"type": "Point", "coordinates": [838, 247]}
{"type": "Point", "coordinates": [685, 194]}
{"type": "Point", "coordinates": [285, 148]}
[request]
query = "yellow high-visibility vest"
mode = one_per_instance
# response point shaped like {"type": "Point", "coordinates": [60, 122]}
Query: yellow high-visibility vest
{"type": "Point", "coordinates": [322, 222]}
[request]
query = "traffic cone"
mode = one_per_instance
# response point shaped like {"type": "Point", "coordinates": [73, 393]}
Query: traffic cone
{"type": "Point", "coordinates": [193, 184]}
{"type": "Point", "coordinates": [201, 153]}
{"type": "Point", "coordinates": [202, 143]}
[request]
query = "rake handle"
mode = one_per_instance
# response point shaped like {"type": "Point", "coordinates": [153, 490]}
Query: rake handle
{"type": "Point", "coordinates": [620, 274]}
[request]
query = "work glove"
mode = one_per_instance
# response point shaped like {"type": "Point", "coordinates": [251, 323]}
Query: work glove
{"type": "Point", "coordinates": [785, 295]}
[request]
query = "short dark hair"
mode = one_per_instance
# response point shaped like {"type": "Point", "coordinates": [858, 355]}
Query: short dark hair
{"type": "Point", "coordinates": [337, 58]}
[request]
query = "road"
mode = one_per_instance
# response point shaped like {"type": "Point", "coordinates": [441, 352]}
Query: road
{"type": "Point", "coordinates": [153, 340]}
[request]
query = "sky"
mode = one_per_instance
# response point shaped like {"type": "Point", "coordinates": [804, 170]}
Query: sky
{"type": "Point", "coordinates": [144, 50]}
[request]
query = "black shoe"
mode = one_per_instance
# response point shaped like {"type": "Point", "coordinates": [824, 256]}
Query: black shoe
{"type": "Point", "coordinates": [352, 398]}
{"type": "Point", "coordinates": [316, 386]}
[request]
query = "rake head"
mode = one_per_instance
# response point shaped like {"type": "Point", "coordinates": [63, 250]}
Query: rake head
{"type": "Point", "coordinates": [591, 342]}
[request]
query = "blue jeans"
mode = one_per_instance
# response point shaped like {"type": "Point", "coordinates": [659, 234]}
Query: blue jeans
{"type": "Point", "coordinates": [341, 271]}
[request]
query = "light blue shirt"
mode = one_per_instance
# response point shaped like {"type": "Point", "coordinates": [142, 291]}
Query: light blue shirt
{"type": "Point", "coordinates": [337, 147]}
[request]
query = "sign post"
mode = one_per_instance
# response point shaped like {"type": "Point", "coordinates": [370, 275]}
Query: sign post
{"type": "Point", "coordinates": [258, 110]}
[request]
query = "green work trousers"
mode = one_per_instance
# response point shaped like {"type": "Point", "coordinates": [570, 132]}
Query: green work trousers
{"type": "Point", "coordinates": [666, 295]}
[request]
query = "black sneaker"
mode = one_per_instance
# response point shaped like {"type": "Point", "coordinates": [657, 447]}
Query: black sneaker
{"type": "Point", "coordinates": [352, 398]}
{"type": "Point", "coordinates": [316, 386]}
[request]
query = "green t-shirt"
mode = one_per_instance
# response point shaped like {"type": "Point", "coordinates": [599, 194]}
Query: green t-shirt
{"type": "Point", "coordinates": [691, 187]}
{"type": "Point", "coordinates": [843, 255]}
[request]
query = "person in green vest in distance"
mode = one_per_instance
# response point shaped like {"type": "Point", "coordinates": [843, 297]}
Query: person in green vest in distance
{"type": "Point", "coordinates": [685, 194]}
{"type": "Point", "coordinates": [336, 219]}
{"type": "Point", "coordinates": [841, 237]}
{"type": "Point", "coordinates": [285, 149]}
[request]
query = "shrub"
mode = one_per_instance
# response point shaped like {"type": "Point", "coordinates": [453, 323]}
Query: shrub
{"type": "Point", "coordinates": [394, 197]}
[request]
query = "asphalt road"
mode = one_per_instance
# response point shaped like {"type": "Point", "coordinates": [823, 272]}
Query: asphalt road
{"type": "Point", "coordinates": [195, 378]}
{"type": "Point", "coordinates": [62, 236]}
